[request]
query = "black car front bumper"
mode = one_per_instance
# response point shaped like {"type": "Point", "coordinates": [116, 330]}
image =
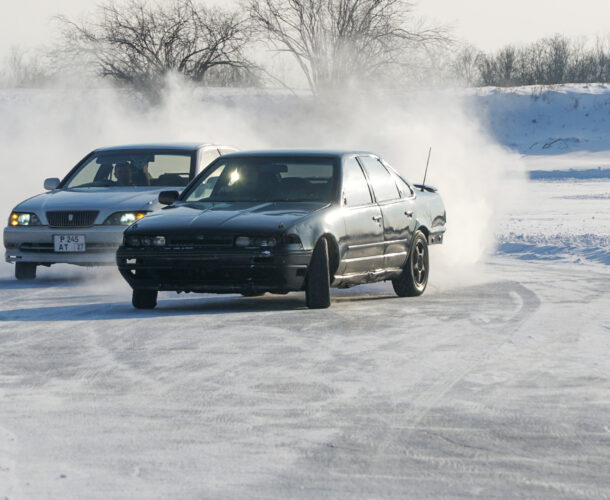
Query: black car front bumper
{"type": "Point", "coordinates": [208, 271]}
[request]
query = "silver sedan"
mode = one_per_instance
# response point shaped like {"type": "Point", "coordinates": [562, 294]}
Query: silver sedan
{"type": "Point", "coordinates": [80, 219]}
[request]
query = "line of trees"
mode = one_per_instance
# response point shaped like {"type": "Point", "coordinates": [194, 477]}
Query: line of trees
{"type": "Point", "coordinates": [330, 43]}
{"type": "Point", "coordinates": [548, 61]}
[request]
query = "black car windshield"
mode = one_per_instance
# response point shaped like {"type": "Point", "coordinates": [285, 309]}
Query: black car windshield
{"type": "Point", "coordinates": [139, 168]}
{"type": "Point", "coordinates": [266, 179]}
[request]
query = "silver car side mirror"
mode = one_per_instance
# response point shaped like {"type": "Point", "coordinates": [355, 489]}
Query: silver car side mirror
{"type": "Point", "coordinates": [51, 183]}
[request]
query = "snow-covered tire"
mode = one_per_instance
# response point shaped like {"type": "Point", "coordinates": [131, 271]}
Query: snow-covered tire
{"type": "Point", "coordinates": [414, 277]}
{"type": "Point", "coordinates": [317, 286]}
{"type": "Point", "coordinates": [144, 299]}
{"type": "Point", "coordinates": [25, 271]}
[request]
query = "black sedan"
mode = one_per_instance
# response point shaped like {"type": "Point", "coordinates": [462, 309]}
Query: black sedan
{"type": "Point", "coordinates": [282, 221]}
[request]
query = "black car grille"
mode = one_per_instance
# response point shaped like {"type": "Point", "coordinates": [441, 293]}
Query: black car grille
{"type": "Point", "coordinates": [75, 218]}
{"type": "Point", "coordinates": [212, 274]}
{"type": "Point", "coordinates": [202, 241]}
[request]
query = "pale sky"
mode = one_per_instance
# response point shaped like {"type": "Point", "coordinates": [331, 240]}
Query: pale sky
{"type": "Point", "coordinates": [487, 24]}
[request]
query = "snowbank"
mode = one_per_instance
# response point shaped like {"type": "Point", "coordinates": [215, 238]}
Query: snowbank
{"type": "Point", "coordinates": [539, 120]}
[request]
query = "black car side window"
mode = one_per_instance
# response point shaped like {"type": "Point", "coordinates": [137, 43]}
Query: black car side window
{"type": "Point", "coordinates": [404, 188]}
{"type": "Point", "coordinates": [355, 187]}
{"type": "Point", "coordinates": [382, 181]}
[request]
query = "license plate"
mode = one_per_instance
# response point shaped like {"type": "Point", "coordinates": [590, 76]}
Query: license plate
{"type": "Point", "coordinates": [69, 243]}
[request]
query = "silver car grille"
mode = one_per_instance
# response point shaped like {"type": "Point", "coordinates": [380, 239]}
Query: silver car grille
{"type": "Point", "coordinates": [72, 218]}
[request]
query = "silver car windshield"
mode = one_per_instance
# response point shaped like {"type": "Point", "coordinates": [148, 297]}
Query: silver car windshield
{"type": "Point", "coordinates": [266, 179]}
{"type": "Point", "coordinates": [136, 169]}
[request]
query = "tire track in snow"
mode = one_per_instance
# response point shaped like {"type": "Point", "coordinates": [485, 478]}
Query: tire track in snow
{"type": "Point", "coordinates": [9, 479]}
{"type": "Point", "coordinates": [378, 436]}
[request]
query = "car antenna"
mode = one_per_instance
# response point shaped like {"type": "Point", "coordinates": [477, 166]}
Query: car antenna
{"type": "Point", "coordinates": [423, 184]}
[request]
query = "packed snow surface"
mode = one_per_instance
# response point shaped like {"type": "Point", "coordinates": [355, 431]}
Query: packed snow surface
{"type": "Point", "coordinates": [494, 384]}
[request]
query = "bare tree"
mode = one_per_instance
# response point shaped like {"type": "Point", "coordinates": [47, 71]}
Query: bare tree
{"type": "Point", "coordinates": [24, 68]}
{"type": "Point", "coordinates": [465, 65]}
{"type": "Point", "coordinates": [335, 40]}
{"type": "Point", "coordinates": [558, 58]}
{"type": "Point", "coordinates": [138, 43]}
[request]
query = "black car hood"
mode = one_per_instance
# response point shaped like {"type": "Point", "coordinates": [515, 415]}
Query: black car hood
{"type": "Point", "coordinates": [228, 217]}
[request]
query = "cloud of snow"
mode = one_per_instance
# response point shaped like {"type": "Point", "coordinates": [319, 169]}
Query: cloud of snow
{"type": "Point", "coordinates": [44, 133]}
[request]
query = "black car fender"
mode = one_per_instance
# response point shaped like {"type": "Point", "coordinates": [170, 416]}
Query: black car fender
{"type": "Point", "coordinates": [313, 227]}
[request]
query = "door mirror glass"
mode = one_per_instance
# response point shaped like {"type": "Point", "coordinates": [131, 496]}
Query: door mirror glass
{"type": "Point", "coordinates": [51, 183]}
{"type": "Point", "coordinates": [168, 197]}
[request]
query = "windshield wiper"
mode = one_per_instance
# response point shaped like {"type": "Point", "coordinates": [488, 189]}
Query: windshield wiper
{"type": "Point", "coordinates": [92, 185]}
{"type": "Point", "coordinates": [295, 199]}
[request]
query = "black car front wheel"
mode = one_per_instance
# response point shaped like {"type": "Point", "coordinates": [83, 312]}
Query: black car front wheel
{"type": "Point", "coordinates": [25, 271]}
{"type": "Point", "coordinates": [144, 299]}
{"type": "Point", "coordinates": [414, 278]}
{"type": "Point", "coordinates": [317, 286]}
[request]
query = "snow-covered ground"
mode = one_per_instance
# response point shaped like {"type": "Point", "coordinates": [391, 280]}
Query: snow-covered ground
{"type": "Point", "coordinates": [495, 383]}
{"type": "Point", "coordinates": [548, 119]}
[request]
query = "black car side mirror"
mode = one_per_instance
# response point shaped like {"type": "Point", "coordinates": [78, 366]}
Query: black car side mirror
{"type": "Point", "coordinates": [168, 197]}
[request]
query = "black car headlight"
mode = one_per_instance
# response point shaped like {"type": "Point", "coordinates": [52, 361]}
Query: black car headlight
{"type": "Point", "coordinates": [249, 242]}
{"type": "Point", "coordinates": [144, 241]}
{"type": "Point", "coordinates": [124, 218]}
{"type": "Point", "coordinates": [23, 219]}
{"type": "Point", "coordinates": [292, 242]}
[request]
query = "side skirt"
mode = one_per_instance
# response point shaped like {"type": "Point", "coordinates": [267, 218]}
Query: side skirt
{"type": "Point", "coordinates": [349, 280]}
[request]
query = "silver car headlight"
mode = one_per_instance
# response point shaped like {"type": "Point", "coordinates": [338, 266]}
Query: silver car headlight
{"type": "Point", "coordinates": [23, 219]}
{"type": "Point", "coordinates": [124, 218]}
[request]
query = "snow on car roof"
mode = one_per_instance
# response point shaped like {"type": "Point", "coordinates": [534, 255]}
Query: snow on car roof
{"type": "Point", "coordinates": [298, 152]}
{"type": "Point", "coordinates": [185, 146]}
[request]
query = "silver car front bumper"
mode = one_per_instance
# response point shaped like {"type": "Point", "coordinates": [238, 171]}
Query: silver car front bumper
{"type": "Point", "coordinates": [36, 244]}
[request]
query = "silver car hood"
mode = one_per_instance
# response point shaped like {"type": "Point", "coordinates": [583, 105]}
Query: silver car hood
{"type": "Point", "coordinates": [102, 199]}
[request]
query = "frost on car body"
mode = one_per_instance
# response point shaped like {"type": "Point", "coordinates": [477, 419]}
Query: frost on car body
{"type": "Point", "coordinates": [281, 221]}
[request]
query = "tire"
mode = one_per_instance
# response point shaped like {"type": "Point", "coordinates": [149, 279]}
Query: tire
{"type": "Point", "coordinates": [414, 277]}
{"type": "Point", "coordinates": [144, 299]}
{"type": "Point", "coordinates": [317, 286]}
{"type": "Point", "coordinates": [25, 271]}
{"type": "Point", "coordinates": [253, 294]}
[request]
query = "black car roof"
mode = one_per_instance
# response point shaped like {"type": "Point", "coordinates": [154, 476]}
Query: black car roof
{"type": "Point", "coordinates": [313, 153]}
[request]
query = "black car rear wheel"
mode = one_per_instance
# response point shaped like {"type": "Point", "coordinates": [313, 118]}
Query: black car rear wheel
{"type": "Point", "coordinates": [414, 278]}
{"type": "Point", "coordinates": [25, 271]}
{"type": "Point", "coordinates": [144, 299]}
{"type": "Point", "coordinates": [317, 287]}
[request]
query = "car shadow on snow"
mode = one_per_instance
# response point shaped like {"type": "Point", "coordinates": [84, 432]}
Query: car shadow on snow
{"type": "Point", "coordinates": [46, 282]}
{"type": "Point", "coordinates": [97, 309]}
{"type": "Point", "coordinates": [166, 307]}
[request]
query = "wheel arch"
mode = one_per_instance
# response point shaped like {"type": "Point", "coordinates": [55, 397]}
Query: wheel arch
{"type": "Point", "coordinates": [424, 230]}
{"type": "Point", "coordinates": [333, 253]}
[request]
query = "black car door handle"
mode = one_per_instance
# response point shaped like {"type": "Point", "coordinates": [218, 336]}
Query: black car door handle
{"type": "Point", "coordinates": [377, 218]}
{"type": "Point", "coordinates": [408, 213]}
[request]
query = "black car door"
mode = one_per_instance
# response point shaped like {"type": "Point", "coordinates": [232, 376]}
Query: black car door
{"type": "Point", "coordinates": [363, 243]}
{"type": "Point", "coordinates": [397, 212]}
